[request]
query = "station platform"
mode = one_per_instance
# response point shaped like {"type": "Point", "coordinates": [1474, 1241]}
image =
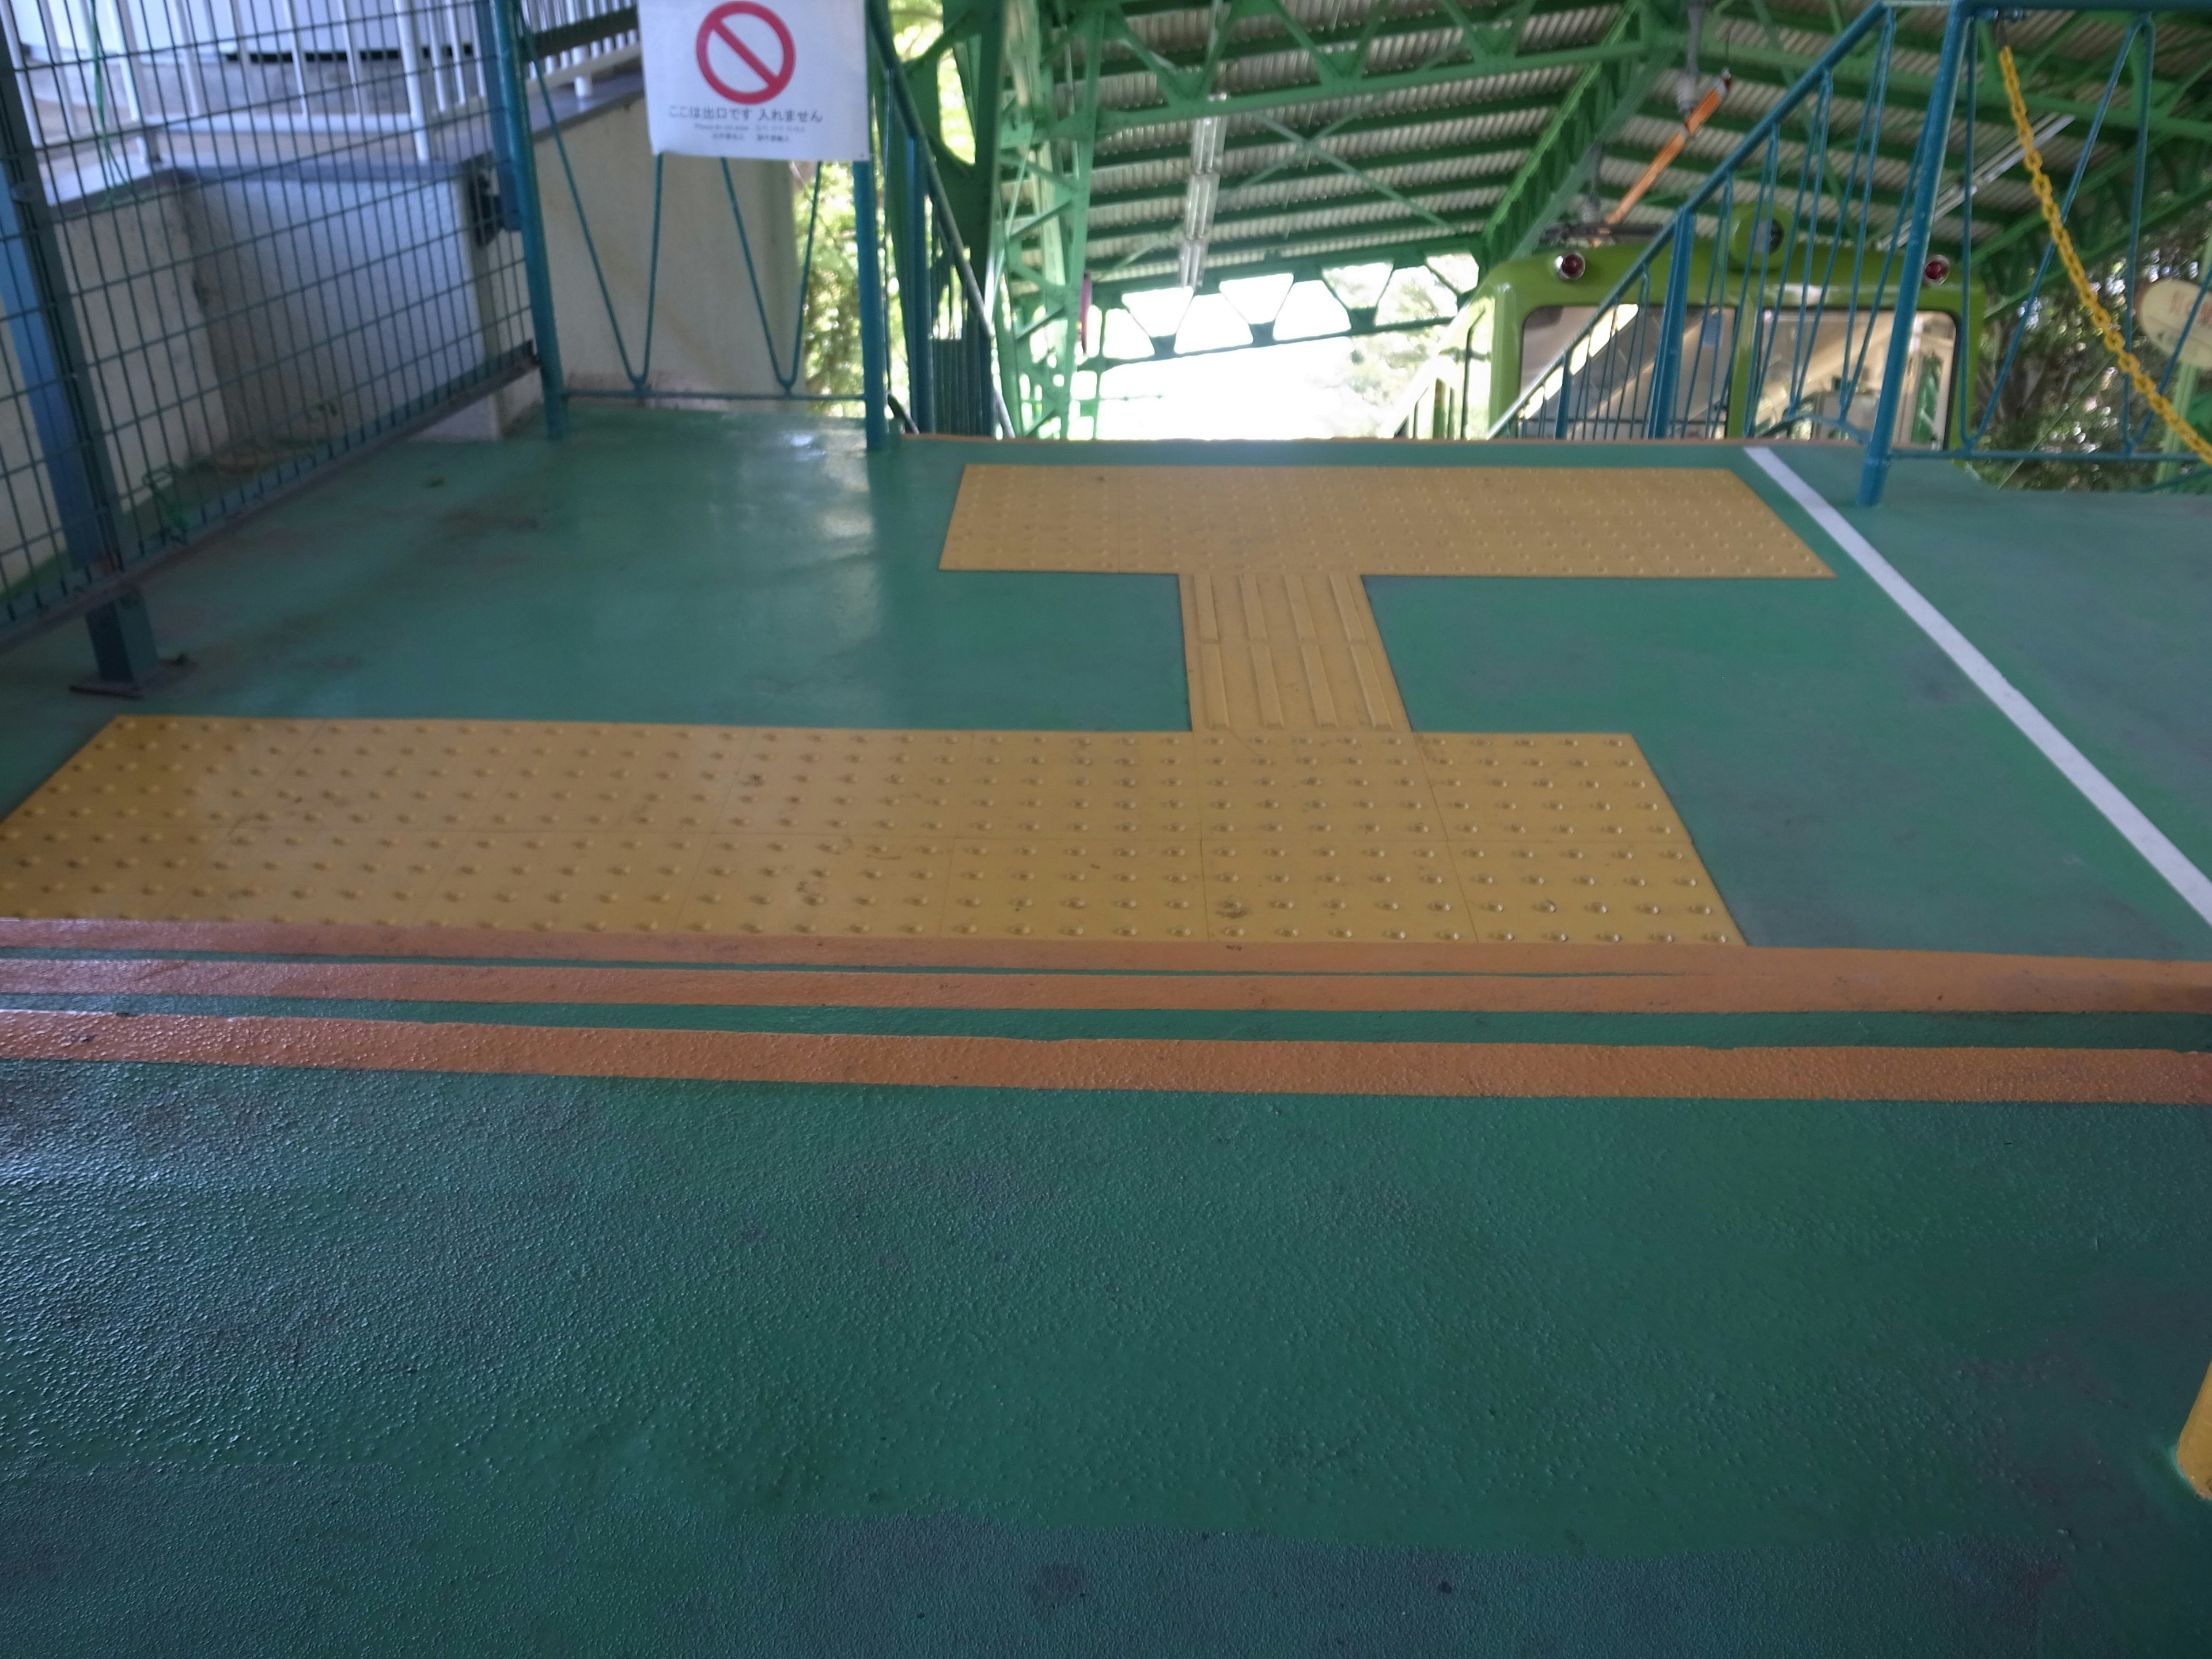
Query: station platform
{"type": "Point", "coordinates": [696, 1040]}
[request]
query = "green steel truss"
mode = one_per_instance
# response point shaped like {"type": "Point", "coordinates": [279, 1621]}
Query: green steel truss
{"type": "Point", "coordinates": [1138, 142]}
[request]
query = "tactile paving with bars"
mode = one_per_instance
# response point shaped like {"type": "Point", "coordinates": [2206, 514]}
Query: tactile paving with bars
{"type": "Point", "coordinates": [1355, 836]}
{"type": "Point", "coordinates": [1270, 651]}
{"type": "Point", "coordinates": [1372, 521]}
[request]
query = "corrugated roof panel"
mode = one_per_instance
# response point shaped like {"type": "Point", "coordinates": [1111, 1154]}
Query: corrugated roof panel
{"type": "Point", "coordinates": [1418, 181]}
{"type": "Point", "coordinates": [1410, 31]}
{"type": "Point", "coordinates": [1278, 225]}
{"type": "Point", "coordinates": [1367, 150]}
{"type": "Point", "coordinates": [1464, 97]}
{"type": "Point", "coordinates": [1448, 145]}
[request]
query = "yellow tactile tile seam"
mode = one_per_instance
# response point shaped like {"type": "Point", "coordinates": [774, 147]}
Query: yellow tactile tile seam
{"type": "Point", "coordinates": [1365, 837]}
{"type": "Point", "coordinates": [1372, 521]}
{"type": "Point", "coordinates": [1285, 652]}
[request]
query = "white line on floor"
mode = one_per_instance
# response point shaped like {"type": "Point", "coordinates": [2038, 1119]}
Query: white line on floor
{"type": "Point", "coordinates": [2146, 837]}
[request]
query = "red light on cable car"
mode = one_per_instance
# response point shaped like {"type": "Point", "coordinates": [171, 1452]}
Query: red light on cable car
{"type": "Point", "coordinates": [1571, 266]}
{"type": "Point", "coordinates": [1937, 270]}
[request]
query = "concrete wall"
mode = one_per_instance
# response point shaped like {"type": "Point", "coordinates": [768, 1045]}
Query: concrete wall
{"type": "Point", "coordinates": [331, 302]}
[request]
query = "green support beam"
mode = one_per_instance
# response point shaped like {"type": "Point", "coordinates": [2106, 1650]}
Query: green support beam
{"type": "Point", "coordinates": [1474, 106]}
{"type": "Point", "coordinates": [1041, 241]}
{"type": "Point", "coordinates": [1300, 267]}
{"type": "Point", "coordinates": [1318, 133]}
{"type": "Point", "coordinates": [1362, 327]}
{"type": "Point", "coordinates": [1164, 195]}
{"type": "Point", "coordinates": [1339, 57]}
{"type": "Point", "coordinates": [1367, 86]}
{"type": "Point", "coordinates": [1416, 208]}
{"type": "Point", "coordinates": [1592, 111]}
{"type": "Point", "coordinates": [1989, 99]}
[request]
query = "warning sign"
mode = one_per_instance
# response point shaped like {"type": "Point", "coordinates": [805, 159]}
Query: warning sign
{"type": "Point", "coordinates": [785, 79]}
{"type": "Point", "coordinates": [722, 37]}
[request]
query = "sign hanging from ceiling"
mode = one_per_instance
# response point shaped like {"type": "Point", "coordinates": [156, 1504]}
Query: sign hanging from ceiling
{"type": "Point", "coordinates": [786, 79]}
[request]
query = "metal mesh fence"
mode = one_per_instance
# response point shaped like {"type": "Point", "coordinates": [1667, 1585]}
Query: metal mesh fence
{"type": "Point", "coordinates": [242, 239]}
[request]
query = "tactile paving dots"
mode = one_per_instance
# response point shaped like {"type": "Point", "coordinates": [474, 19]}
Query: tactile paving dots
{"type": "Point", "coordinates": [428, 775]}
{"type": "Point", "coordinates": [134, 872]}
{"type": "Point", "coordinates": [818, 884]}
{"type": "Point", "coordinates": [168, 770]}
{"type": "Point", "coordinates": [1480, 520]}
{"type": "Point", "coordinates": [566, 883]}
{"type": "Point", "coordinates": [1621, 893]}
{"type": "Point", "coordinates": [1594, 787]}
{"type": "Point", "coordinates": [602, 778]}
{"type": "Point", "coordinates": [1350, 890]}
{"type": "Point", "coordinates": [1092, 890]}
{"type": "Point", "coordinates": [300, 874]}
{"type": "Point", "coordinates": [1377, 837]}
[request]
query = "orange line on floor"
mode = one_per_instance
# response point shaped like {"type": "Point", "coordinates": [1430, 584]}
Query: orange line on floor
{"type": "Point", "coordinates": [669, 969]}
{"type": "Point", "coordinates": [1519, 1070]}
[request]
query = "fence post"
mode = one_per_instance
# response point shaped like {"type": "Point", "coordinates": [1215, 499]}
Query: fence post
{"type": "Point", "coordinates": [872, 329]}
{"type": "Point", "coordinates": [1674, 313]}
{"type": "Point", "coordinates": [64, 413]}
{"type": "Point", "coordinates": [1935, 143]}
{"type": "Point", "coordinates": [917, 292]}
{"type": "Point", "coordinates": [506, 95]}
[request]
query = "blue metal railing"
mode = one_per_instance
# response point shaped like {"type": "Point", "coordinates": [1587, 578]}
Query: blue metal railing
{"type": "Point", "coordinates": [1734, 289]}
{"type": "Point", "coordinates": [2126, 280]}
{"type": "Point", "coordinates": [1785, 295]}
{"type": "Point", "coordinates": [234, 253]}
{"type": "Point", "coordinates": [229, 260]}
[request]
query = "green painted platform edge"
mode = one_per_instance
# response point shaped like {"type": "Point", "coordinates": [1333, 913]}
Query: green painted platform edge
{"type": "Point", "coordinates": [2176, 1033]}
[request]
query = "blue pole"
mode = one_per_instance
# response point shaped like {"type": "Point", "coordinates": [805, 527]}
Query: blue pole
{"type": "Point", "coordinates": [520, 210]}
{"type": "Point", "coordinates": [916, 295]}
{"type": "Point", "coordinates": [57, 384]}
{"type": "Point", "coordinates": [873, 323]}
{"type": "Point", "coordinates": [1935, 137]}
{"type": "Point", "coordinates": [49, 352]}
{"type": "Point", "coordinates": [1674, 314]}
{"type": "Point", "coordinates": [2145, 28]}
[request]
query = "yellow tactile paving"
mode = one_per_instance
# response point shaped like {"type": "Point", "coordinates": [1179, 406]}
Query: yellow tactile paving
{"type": "Point", "coordinates": [1372, 521]}
{"type": "Point", "coordinates": [881, 885]}
{"type": "Point", "coordinates": [1297, 651]}
{"type": "Point", "coordinates": [1358, 836]}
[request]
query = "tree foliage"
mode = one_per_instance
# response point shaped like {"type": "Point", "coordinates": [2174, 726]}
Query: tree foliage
{"type": "Point", "coordinates": [2063, 390]}
{"type": "Point", "coordinates": [832, 336]}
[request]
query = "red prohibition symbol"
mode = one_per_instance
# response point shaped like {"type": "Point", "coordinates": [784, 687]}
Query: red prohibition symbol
{"type": "Point", "coordinates": [720, 29]}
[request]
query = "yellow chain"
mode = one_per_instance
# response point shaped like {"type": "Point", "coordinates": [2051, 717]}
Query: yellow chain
{"type": "Point", "coordinates": [2175, 422]}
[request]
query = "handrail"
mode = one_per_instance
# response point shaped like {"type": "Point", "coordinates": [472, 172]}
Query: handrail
{"type": "Point", "coordinates": [879, 31]}
{"type": "Point", "coordinates": [1761, 132]}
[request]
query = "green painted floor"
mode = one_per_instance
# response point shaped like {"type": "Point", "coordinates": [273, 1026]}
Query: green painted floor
{"type": "Point", "coordinates": [1845, 784]}
{"type": "Point", "coordinates": [308, 1362]}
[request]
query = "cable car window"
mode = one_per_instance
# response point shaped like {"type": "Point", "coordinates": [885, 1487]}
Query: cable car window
{"type": "Point", "coordinates": [1544, 331]}
{"type": "Point", "coordinates": [1824, 370]}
